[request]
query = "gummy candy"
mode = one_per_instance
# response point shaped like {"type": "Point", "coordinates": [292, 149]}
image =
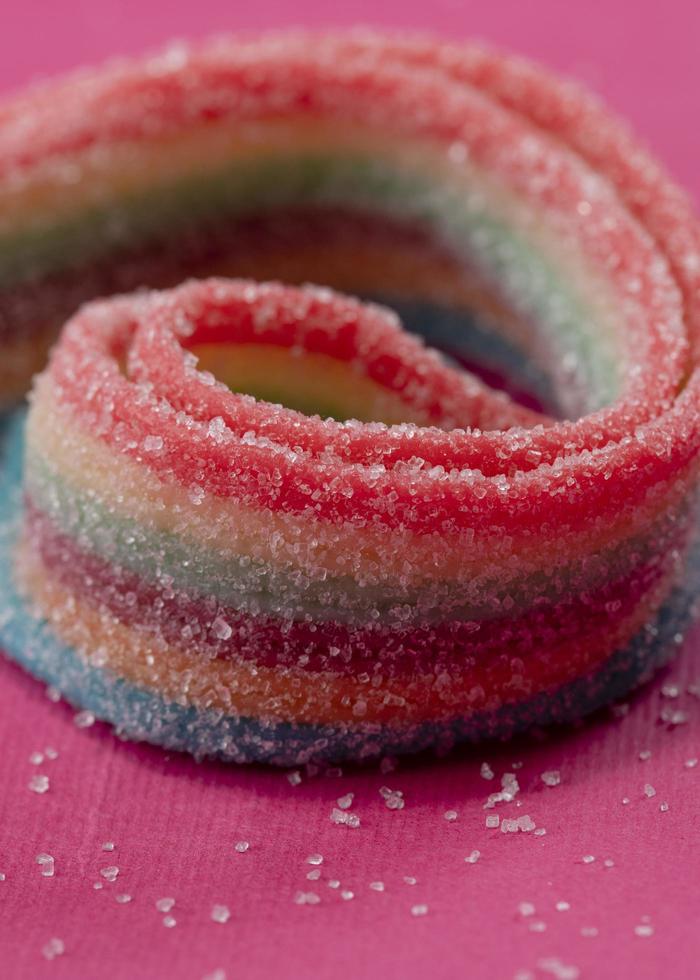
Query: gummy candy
{"type": "Point", "coordinates": [264, 522]}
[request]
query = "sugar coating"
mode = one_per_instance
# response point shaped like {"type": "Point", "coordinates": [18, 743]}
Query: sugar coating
{"type": "Point", "coordinates": [369, 551]}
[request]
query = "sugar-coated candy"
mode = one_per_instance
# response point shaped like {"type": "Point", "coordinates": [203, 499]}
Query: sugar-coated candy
{"type": "Point", "coordinates": [265, 522]}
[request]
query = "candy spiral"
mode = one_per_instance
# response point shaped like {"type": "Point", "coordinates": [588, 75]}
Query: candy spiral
{"type": "Point", "coordinates": [401, 557]}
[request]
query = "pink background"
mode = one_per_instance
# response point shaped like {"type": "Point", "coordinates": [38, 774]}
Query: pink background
{"type": "Point", "coordinates": [175, 823]}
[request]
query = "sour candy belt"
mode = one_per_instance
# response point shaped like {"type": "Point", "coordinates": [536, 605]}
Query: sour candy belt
{"type": "Point", "coordinates": [401, 557]}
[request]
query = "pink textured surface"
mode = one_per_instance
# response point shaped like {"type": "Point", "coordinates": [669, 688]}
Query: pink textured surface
{"type": "Point", "coordinates": [175, 823]}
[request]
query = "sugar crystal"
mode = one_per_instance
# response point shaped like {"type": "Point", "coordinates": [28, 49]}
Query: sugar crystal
{"type": "Point", "coordinates": [53, 948]}
{"type": "Point", "coordinates": [39, 784]}
{"type": "Point", "coordinates": [47, 865]}
{"type": "Point", "coordinates": [306, 898]}
{"type": "Point", "coordinates": [83, 719]}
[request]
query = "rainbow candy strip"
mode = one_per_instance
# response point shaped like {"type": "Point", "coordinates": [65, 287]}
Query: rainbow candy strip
{"type": "Point", "coordinates": [401, 557]}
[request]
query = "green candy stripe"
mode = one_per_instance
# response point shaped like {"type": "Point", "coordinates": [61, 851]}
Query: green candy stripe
{"type": "Point", "coordinates": [248, 585]}
{"type": "Point", "coordinates": [467, 225]}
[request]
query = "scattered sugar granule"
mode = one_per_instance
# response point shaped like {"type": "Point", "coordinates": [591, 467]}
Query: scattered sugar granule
{"type": "Point", "coordinates": [670, 691]}
{"type": "Point", "coordinates": [525, 823]}
{"type": "Point", "coordinates": [526, 908]}
{"type": "Point", "coordinates": [314, 874]}
{"type": "Point", "coordinates": [294, 777]}
{"type": "Point", "coordinates": [393, 798]}
{"type": "Point", "coordinates": [419, 910]}
{"type": "Point", "coordinates": [123, 899]}
{"type": "Point", "coordinates": [215, 975]}
{"type": "Point", "coordinates": [625, 800]}
{"type": "Point", "coordinates": [53, 948]}
{"type": "Point", "coordinates": [663, 807]}
{"type": "Point", "coordinates": [690, 763]}
{"type": "Point", "coordinates": [343, 817]}
{"type": "Point", "coordinates": [111, 873]}
{"type": "Point", "coordinates": [558, 969]}
{"type": "Point", "coordinates": [241, 846]}
{"type": "Point", "coordinates": [345, 802]}
{"type": "Point", "coordinates": [450, 815]}
{"type": "Point", "coordinates": [589, 931]}
{"type": "Point", "coordinates": [347, 895]}
{"type": "Point", "coordinates": [50, 753]}
{"type": "Point", "coordinates": [377, 886]}
{"type": "Point", "coordinates": [220, 913]}
{"type": "Point", "coordinates": [410, 880]}
{"type": "Point", "coordinates": [47, 865]}
{"type": "Point", "coordinates": [334, 883]}
{"type": "Point", "coordinates": [169, 921]}
{"type": "Point", "coordinates": [492, 820]}
{"type": "Point", "coordinates": [509, 826]}
{"type": "Point", "coordinates": [306, 898]}
{"type": "Point", "coordinates": [108, 845]}
{"type": "Point", "coordinates": [649, 790]}
{"type": "Point", "coordinates": [36, 758]}
{"type": "Point", "coordinates": [315, 859]}
{"type": "Point", "coordinates": [608, 863]}
{"type": "Point", "coordinates": [644, 755]}
{"type": "Point", "coordinates": [3, 877]}
{"type": "Point", "coordinates": [53, 694]}
{"type": "Point", "coordinates": [588, 859]}
{"type": "Point", "coordinates": [98, 886]}
{"type": "Point", "coordinates": [551, 777]}
{"type": "Point", "coordinates": [486, 771]}
{"type": "Point", "coordinates": [83, 719]}
{"type": "Point", "coordinates": [537, 926]}
{"type": "Point", "coordinates": [673, 716]}
{"type": "Point", "coordinates": [539, 832]}
{"type": "Point", "coordinates": [509, 790]}
{"type": "Point", "coordinates": [473, 857]}
{"type": "Point", "coordinates": [644, 929]}
{"type": "Point", "coordinates": [39, 783]}
{"type": "Point", "coordinates": [562, 906]}
{"type": "Point", "coordinates": [165, 904]}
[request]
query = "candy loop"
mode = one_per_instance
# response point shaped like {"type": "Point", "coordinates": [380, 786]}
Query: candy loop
{"type": "Point", "coordinates": [266, 522]}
